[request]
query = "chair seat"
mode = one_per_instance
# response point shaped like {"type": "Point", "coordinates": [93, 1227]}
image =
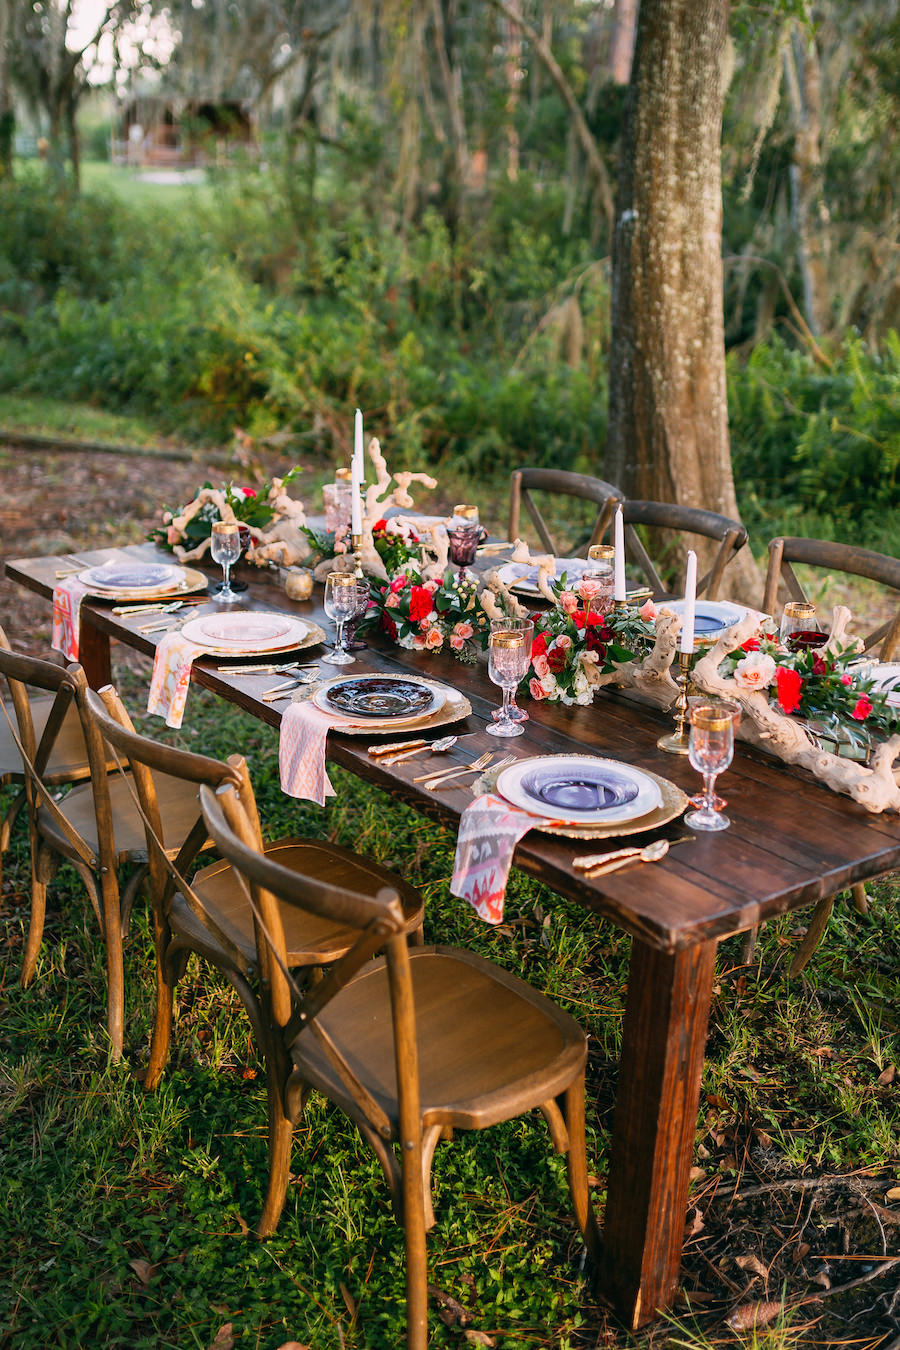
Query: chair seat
{"type": "Point", "coordinates": [68, 758]}
{"type": "Point", "coordinates": [495, 1046]}
{"type": "Point", "coordinates": [178, 806]}
{"type": "Point", "coordinates": [311, 941]}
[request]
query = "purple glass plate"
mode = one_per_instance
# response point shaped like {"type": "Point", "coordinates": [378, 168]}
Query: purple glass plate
{"type": "Point", "coordinates": [583, 789]}
{"type": "Point", "coordinates": [380, 696]}
{"type": "Point", "coordinates": [588, 790]}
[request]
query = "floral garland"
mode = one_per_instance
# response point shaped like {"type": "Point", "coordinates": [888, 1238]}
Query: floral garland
{"type": "Point", "coordinates": [817, 685]}
{"type": "Point", "coordinates": [573, 646]}
{"type": "Point", "coordinates": [424, 615]}
{"type": "Point", "coordinates": [191, 524]}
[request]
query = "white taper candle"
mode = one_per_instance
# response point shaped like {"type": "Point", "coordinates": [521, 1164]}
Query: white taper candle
{"type": "Point", "coordinates": [690, 603]}
{"type": "Point", "coordinates": [619, 571]}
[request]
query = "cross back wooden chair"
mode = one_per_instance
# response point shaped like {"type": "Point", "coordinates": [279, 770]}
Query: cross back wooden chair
{"type": "Point", "coordinates": [411, 1045]}
{"type": "Point", "coordinates": [210, 914]}
{"type": "Point", "coordinates": [841, 558]}
{"type": "Point", "coordinates": [558, 482]}
{"type": "Point", "coordinates": [847, 559]}
{"type": "Point", "coordinates": [66, 760]}
{"type": "Point", "coordinates": [96, 826]}
{"type": "Point", "coordinates": [641, 516]}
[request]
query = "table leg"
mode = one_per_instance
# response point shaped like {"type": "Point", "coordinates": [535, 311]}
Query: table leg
{"type": "Point", "coordinates": [654, 1125]}
{"type": "Point", "coordinates": [93, 653]}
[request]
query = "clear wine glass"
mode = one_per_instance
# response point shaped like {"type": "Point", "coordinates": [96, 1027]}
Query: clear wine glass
{"type": "Point", "coordinates": [710, 750]}
{"type": "Point", "coordinates": [225, 548]}
{"type": "Point", "coordinates": [341, 601]}
{"type": "Point", "coordinates": [509, 655]}
{"type": "Point", "coordinates": [526, 628]}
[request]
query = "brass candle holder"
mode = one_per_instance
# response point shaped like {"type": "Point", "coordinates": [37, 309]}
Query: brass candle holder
{"type": "Point", "coordinates": [620, 608]}
{"type": "Point", "coordinates": [676, 742]}
{"type": "Point", "coordinates": [356, 543]}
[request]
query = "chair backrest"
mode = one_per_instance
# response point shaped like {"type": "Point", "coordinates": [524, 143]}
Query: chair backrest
{"type": "Point", "coordinates": [146, 757]}
{"type": "Point", "coordinates": [379, 920]}
{"type": "Point", "coordinates": [833, 557]}
{"type": "Point", "coordinates": [559, 482]}
{"type": "Point", "coordinates": [675, 520]}
{"type": "Point", "coordinates": [23, 673]}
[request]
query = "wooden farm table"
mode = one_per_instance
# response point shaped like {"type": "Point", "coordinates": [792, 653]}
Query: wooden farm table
{"type": "Point", "coordinates": [790, 843]}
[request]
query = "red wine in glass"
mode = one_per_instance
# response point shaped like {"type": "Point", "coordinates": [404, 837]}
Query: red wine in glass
{"type": "Point", "coordinates": [805, 639]}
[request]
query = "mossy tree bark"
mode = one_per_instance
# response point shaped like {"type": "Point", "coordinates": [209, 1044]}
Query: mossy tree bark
{"type": "Point", "coordinates": [668, 422]}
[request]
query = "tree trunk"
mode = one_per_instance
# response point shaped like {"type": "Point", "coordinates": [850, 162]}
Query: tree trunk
{"type": "Point", "coordinates": [809, 213]}
{"type": "Point", "coordinates": [621, 48]}
{"type": "Point", "coordinates": [668, 416]}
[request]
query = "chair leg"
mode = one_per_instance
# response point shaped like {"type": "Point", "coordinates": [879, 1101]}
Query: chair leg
{"type": "Point", "coordinates": [115, 963]}
{"type": "Point", "coordinates": [748, 946]}
{"type": "Point", "coordinates": [281, 1133]}
{"type": "Point", "coordinates": [860, 899]}
{"type": "Point", "coordinates": [416, 1254]}
{"type": "Point", "coordinates": [576, 1163]}
{"type": "Point", "coordinates": [817, 925]}
{"type": "Point", "coordinates": [162, 1031]}
{"type": "Point", "coordinates": [41, 872]}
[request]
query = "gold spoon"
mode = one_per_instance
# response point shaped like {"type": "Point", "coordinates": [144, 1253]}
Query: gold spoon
{"type": "Point", "coordinates": [598, 864]}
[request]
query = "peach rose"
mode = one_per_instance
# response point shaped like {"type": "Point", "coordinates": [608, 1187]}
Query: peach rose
{"type": "Point", "coordinates": [536, 689]}
{"type": "Point", "coordinates": [418, 641]}
{"type": "Point", "coordinates": [563, 642]}
{"type": "Point", "coordinates": [755, 671]}
{"type": "Point", "coordinates": [456, 642]}
{"type": "Point", "coordinates": [589, 588]}
{"type": "Point", "coordinates": [392, 602]}
{"type": "Point", "coordinates": [568, 601]}
{"type": "Point", "coordinates": [464, 630]}
{"type": "Point", "coordinates": [647, 611]}
{"type": "Point", "coordinates": [541, 666]}
{"type": "Point", "coordinates": [434, 639]}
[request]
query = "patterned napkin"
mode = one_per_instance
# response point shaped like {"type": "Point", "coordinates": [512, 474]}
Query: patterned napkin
{"type": "Point", "coordinates": [67, 597]}
{"type": "Point", "coordinates": [489, 830]}
{"type": "Point", "coordinates": [171, 677]}
{"type": "Point", "coordinates": [301, 750]}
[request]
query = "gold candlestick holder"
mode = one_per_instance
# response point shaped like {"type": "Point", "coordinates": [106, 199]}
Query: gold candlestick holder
{"type": "Point", "coordinates": [620, 608]}
{"type": "Point", "coordinates": [676, 742]}
{"type": "Point", "coordinates": [356, 542]}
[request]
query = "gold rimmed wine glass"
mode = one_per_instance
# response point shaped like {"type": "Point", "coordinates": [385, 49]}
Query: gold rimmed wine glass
{"type": "Point", "coordinates": [509, 655]}
{"type": "Point", "coordinates": [526, 628]}
{"type": "Point", "coordinates": [341, 602]}
{"type": "Point", "coordinates": [710, 750]}
{"type": "Point", "coordinates": [800, 627]}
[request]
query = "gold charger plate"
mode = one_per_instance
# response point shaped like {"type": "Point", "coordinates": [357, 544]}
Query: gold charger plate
{"type": "Point", "coordinates": [192, 580]}
{"type": "Point", "coordinates": [454, 708]}
{"type": "Point", "coordinates": [310, 639]}
{"type": "Point", "coordinates": [674, 802]}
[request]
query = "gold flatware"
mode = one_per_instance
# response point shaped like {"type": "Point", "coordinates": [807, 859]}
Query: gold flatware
{"type": "Point", "coordinates": [435, 747]}
{"type": "Point", "coordinates": [431, 780]}
{"type": "Point", "coordinates": [281, 691]}
{"type": "Point", "coordinates": [161, 606]}
{"type": "Point", "coordinates": [376, 751]}
{"type": "Point", "coordinates": [281, 669]}
{"type": "Point", "coordinates": [500, 764]}
{"type": "Point", "coordinates": [599, 864]}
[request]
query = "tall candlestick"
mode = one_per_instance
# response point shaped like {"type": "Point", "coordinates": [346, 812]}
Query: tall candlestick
{"type": "Point", "coordinates": [358, 446]}
{"type": "Point", "coordinates": [619, 571]}
{"type": "Point", "coordinates": [690, 602]}
{"type": "Point", "coordinates": [355, 499]}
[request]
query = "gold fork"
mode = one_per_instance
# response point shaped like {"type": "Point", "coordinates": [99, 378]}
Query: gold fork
{"type": "Point", "coordinates": [432, 780]}
{"type": "Point", "coordinates": [495, 768]}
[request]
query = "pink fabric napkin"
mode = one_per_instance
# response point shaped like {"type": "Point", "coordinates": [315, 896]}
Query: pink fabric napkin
{"type": "Point", "coordinates": [301, 751]}
{"type": "Point", "coordinates": [67, 597]}
{"type": "Point", "coordinates": [171, 677]}
{"type": "Point", "coordinates": [489, 830]}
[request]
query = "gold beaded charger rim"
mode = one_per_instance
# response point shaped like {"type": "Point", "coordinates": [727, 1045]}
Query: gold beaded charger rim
{"type": "Point", "coordinates": [674, 802]}
{"type": "Point", "coordinates": [454, 708]}
{"type": "Point", "coordinates": [192, 580]}
{"type": "Point", "coordinates": [312, 638]}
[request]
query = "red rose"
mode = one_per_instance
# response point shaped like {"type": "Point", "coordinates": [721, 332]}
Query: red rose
{"type": "Point", "coordinates": [380, 526]}
{"type": "Point", "coordinates": [419, 603]}
{"type": "Point", "coordinates": [789, 684]}
{"type": "Point", "coordinates": [819, 666]}
{"type": "Point", "coordinates": [863, 708]}
{"type": "Point", "coordinates": [539, 645]}
{"type": "Point", "coordinates": [594, 641]}
{"type": "Point", "coordinates": [751, 645]}
{"type": "Point", "coordinates": [249, 492]}
{"type": "Point", "coordinates": [389, 626]}
{"type": "Point", "coordinates": [556, 659]}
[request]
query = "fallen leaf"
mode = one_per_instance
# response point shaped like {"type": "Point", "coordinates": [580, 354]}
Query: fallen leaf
{"type": "Point", "coordinates": [697, 1173]}
{"type": "Point", "coordinates": [479, 1338]}
{"type": "Point", "coordinates": [801, 1250]}
{"type": "Point", "coordinates": [142, 1269]}
{"type": "Point", "coordinates": [695, 1225]}
{"type": "Point", "coordinates": [758, 1314]}
{"type": "Point", "coordinates": [451, 1312]}
{"type": "Point", "coordinates": [753, 1263]}
{"type": "Point", "coordinates": [713, 1100]}
{"type": "Point", "coordinates": [349, 1300]}
{"type": "Point", "coordinates": [886, 1076]}
{"type": "Point", "coordinates": [224, 1338]}
{"type": "Point", "coordinates": [893, 1193]}
{"type": "Point", "coordinates": [764, 1140]}
{"type": "Point", "coordinates": [822, 1279]}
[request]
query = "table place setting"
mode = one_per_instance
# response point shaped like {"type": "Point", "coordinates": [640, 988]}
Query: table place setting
{"type": "Point", "coordinates": [231, 633]}
{"type": "Point", "coordinates": [577, 796]}
{"type": "Point", "coordinates": [357, 705]}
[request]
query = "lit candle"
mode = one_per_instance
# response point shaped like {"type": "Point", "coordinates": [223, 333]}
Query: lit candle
{"type": "Point", "coordinates": [619, 539]}
{"type": "Point", "coordinates": [690, 601]}
{"type": "Point", "coordinates": [358, 446]}
{"type": "Point", "coordinates": [355, 499]}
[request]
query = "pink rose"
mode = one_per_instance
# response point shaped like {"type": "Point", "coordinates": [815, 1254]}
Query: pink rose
{"type": "Point", "coordinates": [863, 708]}
{"type": "Point", "coordinates": [425, 625]}
{"type": "Point", "coordinates": [432, 586]}
{"type": "Point", "coordinates": [418, 641]}
{"type": "Point", "coordinates": [392, 602]}
{"type": "Point", "coordinates": [755, 671]}
{"type": "Point", "coordinates": [568, 601]}
{"type": "Point", "coordinates": [563, 642]}
{"type": "Point", "coordinates": [435, 639]}
{"type": "Point", "coordinates": [541, 666]}
{"type": "Point", "coordinates": [457, 642]}
{"type": "Point", "coordinates": [647, 611]}
{"type": "Point", "coordinates": [536, 690]}
{"type": "Point", "coordinates": [464, 630]}
{"type": "Point", "coordinates": [398, 583]}
{"type": "Point", "coordinates": [846, 679]}
{"type": "Point", "coordinates": [589, 588]}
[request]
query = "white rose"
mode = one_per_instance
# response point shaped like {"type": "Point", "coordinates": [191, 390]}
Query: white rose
{"type": "Point", "coordinates": [755, 671]}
